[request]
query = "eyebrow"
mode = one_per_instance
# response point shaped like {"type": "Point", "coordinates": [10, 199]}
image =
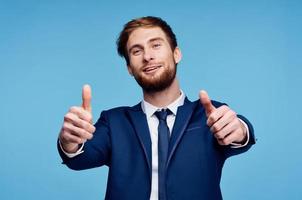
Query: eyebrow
{"type": "Point", "coordinates": [150, 41]}
{"type": "Point", "coordinates": [155, 39]}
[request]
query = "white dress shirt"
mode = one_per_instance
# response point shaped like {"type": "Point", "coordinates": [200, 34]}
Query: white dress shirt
{"type": "Point", "coordinates": [153, 122]}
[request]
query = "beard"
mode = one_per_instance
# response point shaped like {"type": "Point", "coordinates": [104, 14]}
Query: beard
{"type": "Point", "coordinates": [156, 83]}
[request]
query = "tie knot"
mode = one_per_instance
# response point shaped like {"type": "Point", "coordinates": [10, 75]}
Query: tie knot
{"type": "Point", "coordinates": [162, 114]}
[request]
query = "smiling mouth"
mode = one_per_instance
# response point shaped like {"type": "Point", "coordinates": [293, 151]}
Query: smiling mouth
{"type": "Point", "coordinates": [151, 69]}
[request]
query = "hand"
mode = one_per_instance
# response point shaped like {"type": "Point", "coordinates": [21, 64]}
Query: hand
{"type": "Point", "coordinates": [77, 126]}
{"type": "Point", "coordinates": [223, 122]}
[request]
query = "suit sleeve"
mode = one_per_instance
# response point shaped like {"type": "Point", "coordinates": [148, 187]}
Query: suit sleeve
{"type": "Point", "coordinates": [96, 152]}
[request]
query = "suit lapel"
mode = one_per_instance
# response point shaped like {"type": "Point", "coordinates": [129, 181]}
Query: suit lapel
{"type": "Point", "coordinates": [139, 122]}
{"type": "Point", "coordinates": [183, 116]}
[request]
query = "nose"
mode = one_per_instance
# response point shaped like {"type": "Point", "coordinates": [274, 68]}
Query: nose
{"type": "Point", "coordinates": [148, 55]}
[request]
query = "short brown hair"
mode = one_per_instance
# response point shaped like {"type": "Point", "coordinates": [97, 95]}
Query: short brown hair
{"type": "Point", "coordinates": [144, 22]}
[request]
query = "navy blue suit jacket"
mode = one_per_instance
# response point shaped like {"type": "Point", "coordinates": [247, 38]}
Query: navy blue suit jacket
{"type": "Point", "coordinates": [122, 142]}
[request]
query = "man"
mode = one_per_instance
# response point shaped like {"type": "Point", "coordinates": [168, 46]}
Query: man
{"type": "Point", "coordinates": [165, 147]}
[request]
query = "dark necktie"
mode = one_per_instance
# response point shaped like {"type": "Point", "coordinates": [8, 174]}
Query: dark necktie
{"type": "Point", "coordinates": [163, 145]}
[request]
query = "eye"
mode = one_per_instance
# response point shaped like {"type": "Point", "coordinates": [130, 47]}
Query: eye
{"type": "Point", "coordinates": [156, 45]}
{"type": "Point", "coordinates": [136, 52]}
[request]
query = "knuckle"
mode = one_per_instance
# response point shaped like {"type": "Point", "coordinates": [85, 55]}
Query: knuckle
{"type": "Point", "coordinates": [219, 136]}
{"type": "Point", "coordinates": [90, 136]}
{"type": "Point", "coordinates": [66, 138]}
{"type": "Point", "coordinates": [215, 127]}
{"type": "Point", "coordinates": [220, 141]}
{"type": "Point", "coordinates": [89, 117]}
{"type": "Point", "coordinates": [233, 113]}
{"type": "Point", "coordinates": [93, 129]}
{"type": "Point", "coordinates": [85, 126]}
{"type": "Point", "coordinates": [72, 109]}
{"type": "Point", "coordinates": [83, 133]}
{"type": "Point", "coordinates": [225, 141]}
{"type": "Point", "coordinates": [225, 107]}
{"type": "Point", "coordinates": [79, 140]}
{"type": "Point", "coordinates": [66, 116]}
{"type": "Point", "coordinates": [211, 118]}
{"type": "Point", "coordinates": [89, 128]}
{"type": "Point", "coordinates": [62, 136]}
{"type": "Point", "coordinates": [65, 126]}
{"type": "Point", "coordinates": [80, 132]}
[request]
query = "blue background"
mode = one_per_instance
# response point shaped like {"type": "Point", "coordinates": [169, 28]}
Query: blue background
{"type": "Point", "coordinates": [245, 53]}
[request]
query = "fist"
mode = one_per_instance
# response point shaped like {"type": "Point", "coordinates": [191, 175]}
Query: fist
{"type": "Point", "coordinates": [77, 126]}
{"type": "Point", "coordinates": [223, 122]}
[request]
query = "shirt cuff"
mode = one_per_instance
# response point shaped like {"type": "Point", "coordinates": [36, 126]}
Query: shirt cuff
{"type": "Point", "coordinates": [237, 145]}
{"type": "Point", "coordinates": [71, 155]}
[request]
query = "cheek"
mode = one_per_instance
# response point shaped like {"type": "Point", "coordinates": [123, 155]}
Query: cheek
{"type": "Point", "coordinates": [135, 60]}
{"type": "Point", "coordinates": [134, 65]}
{"type": "Point", "coordinates": [170, 59]}
{"type": "Point", "coordinates": [167, 55]}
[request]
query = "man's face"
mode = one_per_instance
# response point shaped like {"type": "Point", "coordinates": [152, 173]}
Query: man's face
{"type": "Point", "coordinates": [152, 61]}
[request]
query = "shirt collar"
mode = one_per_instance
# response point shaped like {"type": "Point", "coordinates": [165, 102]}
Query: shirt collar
{"type": "Point", "coordinates": [150, 109]}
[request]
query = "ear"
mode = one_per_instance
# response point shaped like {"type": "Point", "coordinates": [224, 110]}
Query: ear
{"type": "Point", "coordinates": [177, 55]}
{"type": "Point", "coordinates": [129, 70]}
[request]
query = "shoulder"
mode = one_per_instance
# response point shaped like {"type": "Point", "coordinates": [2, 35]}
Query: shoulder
{"type": "Point", "coordinates": [120, 111]}
{"type": "Point", "coordinates": [115, 115]}
{"type": "Point", "coordinates": [117, 111]}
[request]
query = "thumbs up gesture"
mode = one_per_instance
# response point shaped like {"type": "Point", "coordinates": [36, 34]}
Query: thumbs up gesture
{"type": "Point", "coordinates": [223, 122]}
{"type": "Point", "coordinates": [77, 126]}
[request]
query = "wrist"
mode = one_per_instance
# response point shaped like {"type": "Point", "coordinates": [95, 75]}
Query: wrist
{"type": "Point", "coordinates": [70, 147]}
{"type": "Point", "coordinates": [244, 137]}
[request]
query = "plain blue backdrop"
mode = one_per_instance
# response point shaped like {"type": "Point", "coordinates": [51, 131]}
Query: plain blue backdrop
{"type": "Point", "coordinates": [244, 53]}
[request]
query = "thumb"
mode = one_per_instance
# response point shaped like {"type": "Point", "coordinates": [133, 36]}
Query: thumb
{"type": "Point", "coordinates": [86, 97]}
{"type": "Point", "coordinates": [206, 102]}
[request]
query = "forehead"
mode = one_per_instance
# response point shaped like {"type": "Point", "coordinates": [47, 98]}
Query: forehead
{"type": "Point", "coordinates": [141, 36]}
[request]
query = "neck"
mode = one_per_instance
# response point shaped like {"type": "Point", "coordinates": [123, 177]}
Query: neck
{"type": "Point", "coordinates": [165, 97]}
